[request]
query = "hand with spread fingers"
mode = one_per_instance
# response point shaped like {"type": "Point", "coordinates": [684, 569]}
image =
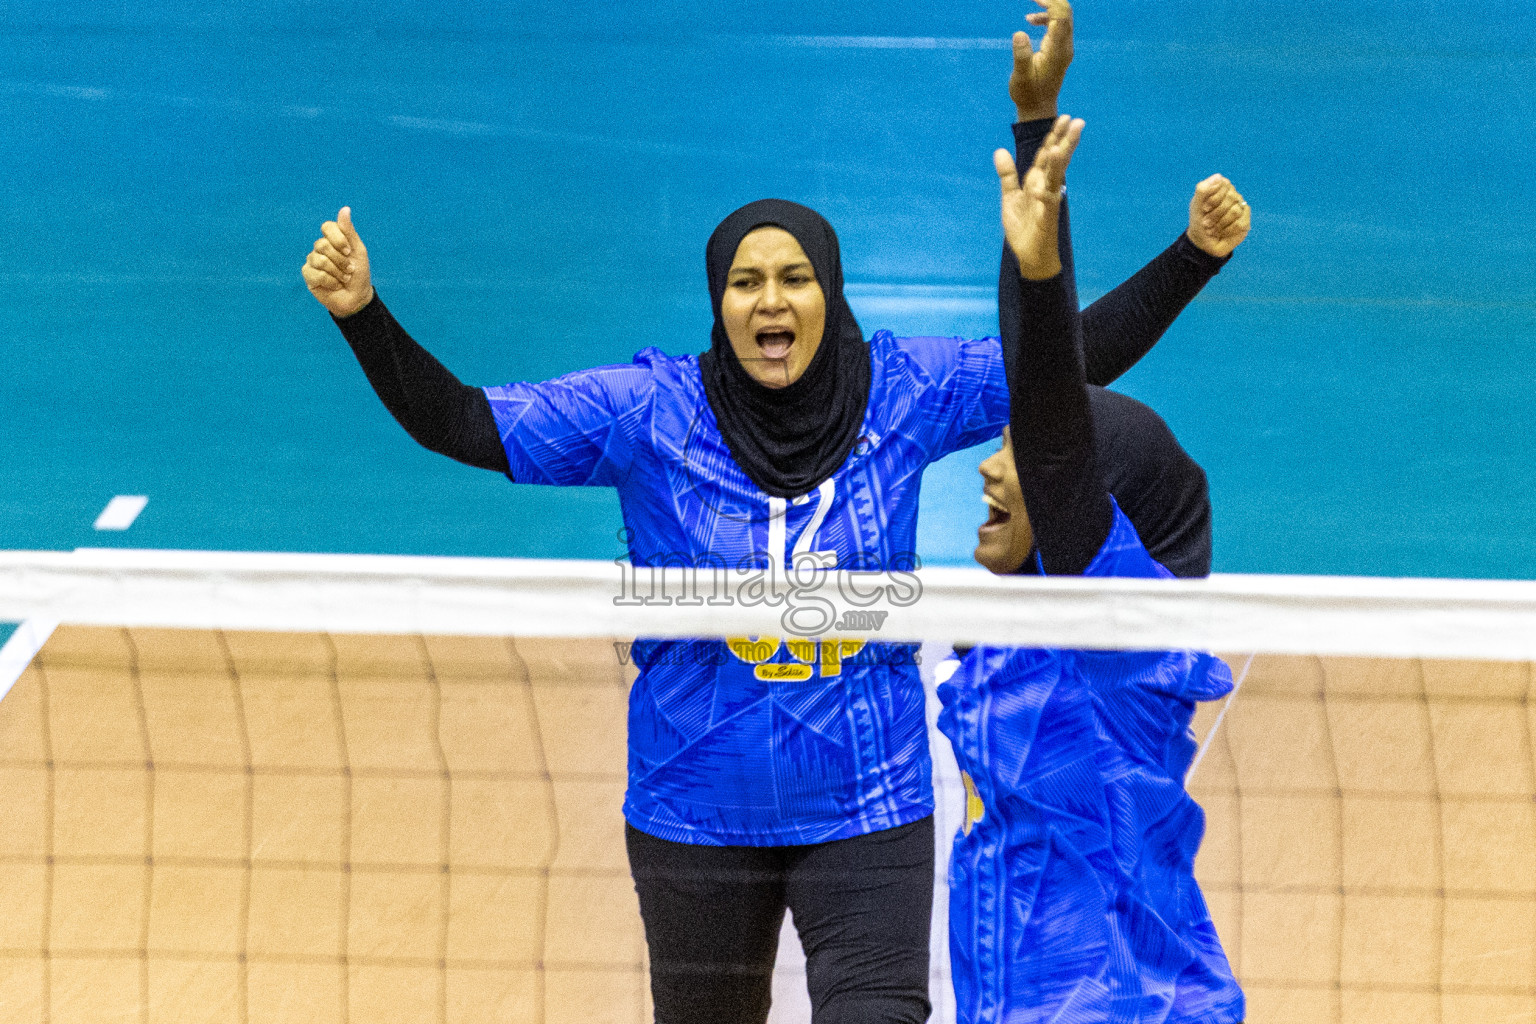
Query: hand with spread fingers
{"type": "Point", "coordinates": [1037, 76]}
{"type": "Point", "coordinates": [1031, 208]}
{"type": "Point", "coordinates": [336, 269]}
{"type": "Point", "coordinates": [1218, 217]}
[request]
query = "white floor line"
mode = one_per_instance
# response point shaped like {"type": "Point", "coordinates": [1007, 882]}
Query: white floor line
{"type": "Point", "coordinates": [121, 511]}
{"type": "Point", "coordinates": [20, 649]}
{"type": "Point", "coordinates": [1237, 685]}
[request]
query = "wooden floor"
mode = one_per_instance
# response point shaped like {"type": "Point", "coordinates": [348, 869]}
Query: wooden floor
{"type": "Point", "coordinates": [241, 827]}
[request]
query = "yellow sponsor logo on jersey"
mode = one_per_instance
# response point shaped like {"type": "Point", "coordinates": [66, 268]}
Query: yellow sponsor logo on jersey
{"type": "Point", "coordinates": [802, 650]}
{"type": "Point", "coordinates": [834, 651]}
{"type": "Point", "coordinates": [754, 650]}
{"type": "Point", "coordinates": [974, 808]}
{"type": "Point", "coordinates": [827, 654]}
{"type": "Point", "coordinates": [783, 672]}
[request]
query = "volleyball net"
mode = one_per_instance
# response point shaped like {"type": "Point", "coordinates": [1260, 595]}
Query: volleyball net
{"type": "Point", "coordinates": [278, 788]}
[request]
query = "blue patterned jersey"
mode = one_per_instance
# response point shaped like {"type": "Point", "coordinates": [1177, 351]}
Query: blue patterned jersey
{"type": "Point", "coordinates": [1072, 891]}
{"type": "Point", "coordinates": [763, 741]}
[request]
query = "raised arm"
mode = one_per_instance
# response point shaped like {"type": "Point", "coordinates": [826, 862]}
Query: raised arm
{"type": "Point", "coordinates": [1050, 419]}
{"type": "Point", "coordinates": [1034, 86]}
{"type": "Point", "coordinates": [435, 408]}
{"type": "Point", "coordinates": [1123, 325]}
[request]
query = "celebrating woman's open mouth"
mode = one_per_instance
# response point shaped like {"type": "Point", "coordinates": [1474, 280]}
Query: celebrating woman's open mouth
{"type": "Point", "coordinates": [997, 515]}
{"type": "Point", "coordinates": [775, 344]}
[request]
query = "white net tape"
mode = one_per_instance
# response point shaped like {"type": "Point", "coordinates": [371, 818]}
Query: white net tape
{"type": "Point", "coordinates": [497, 597]}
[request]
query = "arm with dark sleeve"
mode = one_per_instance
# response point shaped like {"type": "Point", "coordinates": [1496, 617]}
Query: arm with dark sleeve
{"type": "Point", "coordinates": [442, 414]}
{"type": "Point", "coordinates": [1123, 325]}
{"type": "Point", "coordinates": [1127, 322]}
{"type": "Point", "coordinates": [1051, 424]}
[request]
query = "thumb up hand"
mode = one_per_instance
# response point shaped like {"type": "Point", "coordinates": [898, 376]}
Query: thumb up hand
{"type": "Point", "coordinates": [336, 270]}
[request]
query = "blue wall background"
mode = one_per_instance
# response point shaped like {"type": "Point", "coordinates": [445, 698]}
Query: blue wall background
{"type": "Point", "coordinates": [536, 182]}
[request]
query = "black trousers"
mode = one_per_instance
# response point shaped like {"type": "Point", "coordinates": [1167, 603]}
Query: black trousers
{"type": "Point", "coordinates": [862, 907]}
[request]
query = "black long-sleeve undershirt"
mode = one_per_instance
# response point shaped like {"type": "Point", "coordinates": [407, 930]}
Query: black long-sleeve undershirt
{"type": "Point", "coordinates": [454, 419]}
{"type": "Point", "coordinates": [1123, 325]}
{"type": "Point", "coordinates": [1133, 455]}
{"type": "Point", "coordinates": [439, 411]}
{"type": "Point", "coordinates": [1051, 424]}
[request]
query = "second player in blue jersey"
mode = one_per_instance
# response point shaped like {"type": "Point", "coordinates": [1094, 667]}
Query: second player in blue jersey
{"type": "Point", "coordinates": [1072, 888]}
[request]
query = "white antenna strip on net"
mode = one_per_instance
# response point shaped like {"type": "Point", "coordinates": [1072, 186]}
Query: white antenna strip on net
{"type": "Point", "coordinates": [19, 650]}
{"type": "Point", "coordinates": [1237, 684]}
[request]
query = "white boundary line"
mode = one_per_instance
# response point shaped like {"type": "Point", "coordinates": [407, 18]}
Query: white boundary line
{"type": "Point", "coordinates": [1325, 615]}
{"type": "Point", "coordinates": [121, 512]}
{"type": "Point", "coordinates": [20, 649]}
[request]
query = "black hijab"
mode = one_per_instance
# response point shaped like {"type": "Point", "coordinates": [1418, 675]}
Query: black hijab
{"type": "Point", "coordinates": [789, 439]}
{"type": "Point", "coordinates": [1161, 489]}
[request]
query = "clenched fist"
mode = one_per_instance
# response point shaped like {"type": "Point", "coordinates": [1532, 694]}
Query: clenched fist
{"type": "Point", "coordinates": [337, 267]}
{"type": "Point", "coordinates": [1218, 217]}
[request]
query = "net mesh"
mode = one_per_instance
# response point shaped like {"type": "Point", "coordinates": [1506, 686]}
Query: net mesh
{"type": "Point", "coordinates": [270, 827]}
{"type": "Point", "coordinates": [239, 826]}
{"type": "Point", "coordinates": [1370, 851]}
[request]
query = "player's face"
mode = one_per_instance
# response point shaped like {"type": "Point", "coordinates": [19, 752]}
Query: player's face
{"type": "Point", "coordinates": [1003, 542]}
{"type": "Point", "coordinates": [773, 308]}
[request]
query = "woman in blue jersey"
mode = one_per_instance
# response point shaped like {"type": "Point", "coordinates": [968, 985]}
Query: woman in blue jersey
{"type": "Point", "coordinates": [770, 775]}
{"type": "Point", "coordinates": [1072, 891]}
